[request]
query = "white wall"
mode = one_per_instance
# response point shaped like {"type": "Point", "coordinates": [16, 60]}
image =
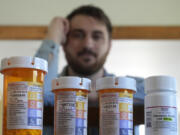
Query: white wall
{"type": "Point", "coordinates": [121, 12]}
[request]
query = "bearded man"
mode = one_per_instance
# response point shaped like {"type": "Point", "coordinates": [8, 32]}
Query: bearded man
{"type": "Point", "coordinates": [85, 36]}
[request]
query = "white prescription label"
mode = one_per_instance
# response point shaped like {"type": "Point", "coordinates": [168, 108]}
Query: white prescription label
{"type": "Point", "coordinates": [161, 120]}
{"type": "Point", "coordinates": [71, 112]}
{"type": "Point", "coordinates": [24, 105]}
{"type": "Point", "coordinates": [116, 113]}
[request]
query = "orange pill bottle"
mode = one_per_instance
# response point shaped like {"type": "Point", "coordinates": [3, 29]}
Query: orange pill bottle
{"type": "Point", "coordinates": [23, 95]}
{"type": "Point", "coordinates": [116, 105]}
{"type": "Point", "coordinates": [71, 105]}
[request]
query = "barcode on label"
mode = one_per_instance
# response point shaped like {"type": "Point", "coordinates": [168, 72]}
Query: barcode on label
{"type": "Point", "coordinates": [148, 119]}
{"type": "Point", "coordinates": [149, 125]}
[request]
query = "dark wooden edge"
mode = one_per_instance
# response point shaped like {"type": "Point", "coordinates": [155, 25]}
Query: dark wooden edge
{"type": "Point", "coordinates": [22, 32]}
{"type": "Point", "coordinates": [119, 32]}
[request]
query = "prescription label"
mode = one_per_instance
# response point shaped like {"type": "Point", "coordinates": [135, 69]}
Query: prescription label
{"type": "Point", "coordinates": [161, 119]}
{"type": "Point", "coordinates": [71, 112]}
{"type": "Point", "coordinates": [24, 105]}
{"type": "Point", "coordinates": [116, 113]}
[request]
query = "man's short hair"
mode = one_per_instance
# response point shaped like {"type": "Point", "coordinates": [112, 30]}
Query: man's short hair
{"type": "Point", "coordinates": [94, 12]}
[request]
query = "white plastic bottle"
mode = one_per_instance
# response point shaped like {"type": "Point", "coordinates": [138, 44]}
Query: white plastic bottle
{"type": "Point", "coordinates": [160, 106]}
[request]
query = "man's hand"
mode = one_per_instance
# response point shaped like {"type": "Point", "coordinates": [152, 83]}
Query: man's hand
{"type": "Point", "coordinates": [58, 30]}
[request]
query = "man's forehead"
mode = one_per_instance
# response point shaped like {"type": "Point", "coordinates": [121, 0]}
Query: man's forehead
{"type": "Point", "coordinates": [84, 21]}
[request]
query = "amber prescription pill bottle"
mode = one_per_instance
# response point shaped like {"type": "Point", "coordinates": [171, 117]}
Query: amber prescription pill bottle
{"type": "Point", "coordinates": [71, 105]}
{"type": "Point", "coordinates": [161, 106]}
{"type": "Point", "coordinates": [23, 95]}
{"type": "Point", "coordinates": [116, 105]}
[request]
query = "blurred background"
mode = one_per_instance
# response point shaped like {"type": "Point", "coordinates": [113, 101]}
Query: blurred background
{"type": "Point", "coordinates": [136, 53]}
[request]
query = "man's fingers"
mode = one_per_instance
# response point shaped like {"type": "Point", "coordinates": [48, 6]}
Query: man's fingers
{"type": "Point", "coordinates": [66, 26]}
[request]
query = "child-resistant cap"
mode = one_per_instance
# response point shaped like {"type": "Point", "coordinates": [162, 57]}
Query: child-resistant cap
{"type": "Point", "coordinates": [71, 82]}
{"type": "Point", "coordinates": [155, 83]}
{"type": "Point", "coordinates": [116, 82]}
{"type": "Point", "coordinates": [24, 62]}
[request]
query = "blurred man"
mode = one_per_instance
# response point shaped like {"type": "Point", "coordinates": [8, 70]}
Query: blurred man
{"type": "Point", "coordinates": [85, 36]}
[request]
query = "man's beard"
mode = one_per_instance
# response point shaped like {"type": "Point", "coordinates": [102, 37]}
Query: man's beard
{"type": "Point", "coordinates": [78, 68]}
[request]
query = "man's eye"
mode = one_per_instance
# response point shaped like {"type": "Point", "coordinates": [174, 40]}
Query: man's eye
{"type": "Point", "coordinates": [77, 35]}
{"type": "Point", "coordinates": [97, 37]}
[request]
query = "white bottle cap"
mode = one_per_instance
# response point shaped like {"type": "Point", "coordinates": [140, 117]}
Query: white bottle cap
{"type": "Point", "coordinates": [155, 83]}
{"type": "Point", "coordinates": [71, 82]}
{"type": "Point", "coordinates": [116, 82]}
{"type": "Point", "coordinates": [24, 62]}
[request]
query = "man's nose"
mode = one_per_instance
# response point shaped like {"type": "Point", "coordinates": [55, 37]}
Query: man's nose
{"type": "Point", "coordinates": [88, 42]}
